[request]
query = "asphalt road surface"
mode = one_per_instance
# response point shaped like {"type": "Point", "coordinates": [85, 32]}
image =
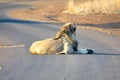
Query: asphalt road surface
{"type": "Point", "coordinates": [17, 63]}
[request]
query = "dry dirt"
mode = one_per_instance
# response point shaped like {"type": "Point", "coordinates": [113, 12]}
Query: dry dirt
{"type": "Point", "coordinates": [51, 11]}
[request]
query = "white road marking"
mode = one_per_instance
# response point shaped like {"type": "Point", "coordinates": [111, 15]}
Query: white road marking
{"type": "Point", "coordinates": [12, 46]}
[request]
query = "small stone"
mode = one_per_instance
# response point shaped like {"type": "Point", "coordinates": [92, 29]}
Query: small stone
{"type": "Point", "coordinates": [0, 67]}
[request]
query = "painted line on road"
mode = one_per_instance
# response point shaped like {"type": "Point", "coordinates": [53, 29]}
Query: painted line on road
{"type": "Point", "coordinates": [12, 46]}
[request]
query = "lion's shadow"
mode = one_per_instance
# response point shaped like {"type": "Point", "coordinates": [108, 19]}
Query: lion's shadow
{"type": "Point", "coordinates": [112, 54]}
{"type": "Point", "coordinates": [105, 54]}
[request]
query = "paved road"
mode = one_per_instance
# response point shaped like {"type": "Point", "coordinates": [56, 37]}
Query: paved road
{"type": "Point", "coordinates": [16, 63]}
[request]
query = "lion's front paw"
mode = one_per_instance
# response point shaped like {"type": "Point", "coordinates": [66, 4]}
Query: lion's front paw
{"type": "Point", "coordinates": [90, 51]}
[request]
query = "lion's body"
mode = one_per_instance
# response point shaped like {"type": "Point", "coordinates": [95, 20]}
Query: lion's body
{"type": "Point", "coordinates": [48, 46]}
{"type": "Point", "coordinates": [65, 42]}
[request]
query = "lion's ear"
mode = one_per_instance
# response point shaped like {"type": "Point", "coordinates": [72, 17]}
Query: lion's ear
{"type": "Point", "coordinates": [58, 35]}
{"type": "Point", "coordinates": [68, 24]}
{"type": "Point", "coordinates": [66, 27]}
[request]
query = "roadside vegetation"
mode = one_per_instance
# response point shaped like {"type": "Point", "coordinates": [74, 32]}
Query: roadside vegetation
{"type": "Point", "coordinates": [93, 6]}
{"type": "Point", "coordinates": [98, 15]}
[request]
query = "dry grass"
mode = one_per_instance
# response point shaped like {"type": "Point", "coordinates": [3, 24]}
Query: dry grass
{"type": "Point", "coordinates": [93, 6]}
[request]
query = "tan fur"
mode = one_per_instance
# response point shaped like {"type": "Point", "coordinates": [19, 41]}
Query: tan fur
{"type": "Point", "coordinates": [48, 46]}
{"type": "Point", "coordinates": [63, 42]}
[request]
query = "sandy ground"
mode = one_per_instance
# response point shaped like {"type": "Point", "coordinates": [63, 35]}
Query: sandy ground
{"type": "Point", "coordinates": [51, 11]}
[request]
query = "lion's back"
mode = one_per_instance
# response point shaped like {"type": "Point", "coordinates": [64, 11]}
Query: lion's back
{"type": "Point", "coordinates": [47, 46]}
